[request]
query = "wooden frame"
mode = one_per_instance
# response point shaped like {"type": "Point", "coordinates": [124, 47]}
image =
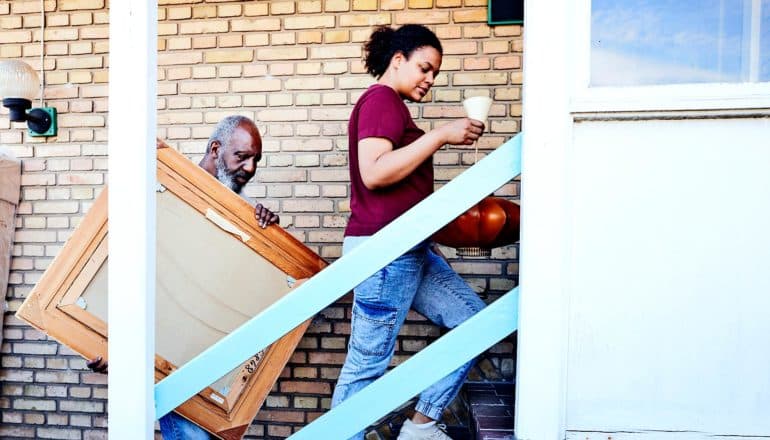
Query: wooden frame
{"type": "Point", "coordinates": [58, 305]}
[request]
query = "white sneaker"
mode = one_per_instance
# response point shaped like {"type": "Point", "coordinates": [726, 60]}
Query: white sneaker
{"type": "Point", "coordinates": [412, 431]}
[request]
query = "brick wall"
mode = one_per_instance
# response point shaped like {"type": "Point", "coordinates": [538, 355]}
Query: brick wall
{"type": "Point", "coordinates": [293, 66]}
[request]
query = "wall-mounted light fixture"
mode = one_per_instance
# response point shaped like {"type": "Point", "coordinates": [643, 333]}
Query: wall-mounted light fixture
{"type": "Point", "coordinates": [19, 84]}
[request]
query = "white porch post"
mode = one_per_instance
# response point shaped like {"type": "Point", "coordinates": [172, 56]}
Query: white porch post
{"type": "Point", "coordinates": [132, 126]}
{"type": "Point", "coordinates": [542, 347]}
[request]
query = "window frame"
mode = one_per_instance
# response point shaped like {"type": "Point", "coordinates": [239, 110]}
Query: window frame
{"type": "Point", "coordinates": [663, 97]}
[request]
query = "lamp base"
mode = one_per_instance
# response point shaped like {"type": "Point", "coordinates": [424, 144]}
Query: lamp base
{"type": "Point", "coordinates": [17, 108]}
{"type": "Point", "coordinates": [42, 122]}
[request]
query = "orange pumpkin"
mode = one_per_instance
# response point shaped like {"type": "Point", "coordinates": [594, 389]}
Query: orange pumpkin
{"type": "Point", "coordinates": [491, 223]}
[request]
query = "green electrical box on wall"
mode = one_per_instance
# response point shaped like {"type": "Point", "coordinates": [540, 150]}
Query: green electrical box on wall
{"type": "Point", "coordinates": [505, 12]}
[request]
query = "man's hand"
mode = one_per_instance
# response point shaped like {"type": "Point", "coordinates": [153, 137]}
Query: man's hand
{"type": "Point", "coordinates": [264, 216]}
{"type": "Point", "coordinates": [97, 365]}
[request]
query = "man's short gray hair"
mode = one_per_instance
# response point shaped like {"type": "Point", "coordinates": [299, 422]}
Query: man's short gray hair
{"type": "Point", "coordinates": [225, 128]}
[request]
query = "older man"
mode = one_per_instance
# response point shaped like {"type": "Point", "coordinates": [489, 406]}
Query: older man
{"type": "Point", "coordinates": [232, 153]}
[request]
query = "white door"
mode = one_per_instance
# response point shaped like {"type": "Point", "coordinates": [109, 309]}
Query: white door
{"type": "Point", "coordinates": [645, 256]}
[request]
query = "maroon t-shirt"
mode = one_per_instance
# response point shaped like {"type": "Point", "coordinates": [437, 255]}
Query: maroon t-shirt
{"type": "Point", "coordinates": [380, 112]}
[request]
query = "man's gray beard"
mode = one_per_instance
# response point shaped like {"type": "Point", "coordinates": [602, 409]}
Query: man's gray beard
{"type": "Point", "coordinates": [227, 179]}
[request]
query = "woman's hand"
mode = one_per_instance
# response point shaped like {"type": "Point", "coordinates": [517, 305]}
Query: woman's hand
{"type": "Point", "coordinates": [463, 131]}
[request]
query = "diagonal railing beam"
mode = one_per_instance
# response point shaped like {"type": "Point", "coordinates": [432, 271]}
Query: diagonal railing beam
{"type": "Point", "coordinates": [335, 280]}
{"type": "Point", "coordinates": [422, 370]}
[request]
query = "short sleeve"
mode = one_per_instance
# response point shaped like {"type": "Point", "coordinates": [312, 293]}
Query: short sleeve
{"type": "Point", "coordinates": [382, 115]}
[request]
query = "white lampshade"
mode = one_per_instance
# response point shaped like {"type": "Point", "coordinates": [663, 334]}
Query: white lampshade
{"type": "Point", "coordinates": [18, 80]}
{"type": "Point", "coordinates": [477, 107]}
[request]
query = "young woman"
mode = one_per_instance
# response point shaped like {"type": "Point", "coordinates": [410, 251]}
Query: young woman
{"type": "Point", "coordinates": [391, 170]}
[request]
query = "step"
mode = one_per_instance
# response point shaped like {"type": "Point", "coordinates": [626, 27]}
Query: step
{"type": "Point", "coordinates": [491, 410]}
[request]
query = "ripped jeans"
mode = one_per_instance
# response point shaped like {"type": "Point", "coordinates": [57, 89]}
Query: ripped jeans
{"type": "Point", "coordinates": [420, 280]}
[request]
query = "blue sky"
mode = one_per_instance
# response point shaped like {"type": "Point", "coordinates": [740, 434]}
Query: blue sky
{"type": "Point", "coordinates": [669, 41]}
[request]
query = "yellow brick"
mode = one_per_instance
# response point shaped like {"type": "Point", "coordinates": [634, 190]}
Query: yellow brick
{"type": "Point", "coordinates": [252, 70]}
{"type": "Point", "coordinates": [101, 77]}
{"type": "Point", "coordinates": [280, 100]}
{"type": "Point", "coordinates": [517, 46]}
{"type": "Point", "coordinates": [5, 8]}
{"type": "Point", "coordinates": [80, 120]}
{"type": "Point", "coordinates": [364, 5]}
{"type": "Point", "coordinates": [61, 48]}
{"type": "Point", "coordinates": [420, 4]}
{"type": "Point", "coordinates": [309, 69]}
{"type": "Point", "coordinates": [20, 7]}
{"type": "Point", "coordinates": [423, 17]}
{"type": "Point", "coordinates": [195, 87]}
{"type": "Point", "coordinates": [254, 100]}
{"type": "Point", "coordinates": [470, 79]}
{"type": "Point", "coordinates": [448, 3]}
{"type": "Point", "coordinates": [94, 91]}
{"type": "Point", "coordinates": [476, 15]}
{"type": "Point", "coordinates": [207, 11]}
{"type": "Point", "coordinates": [330, 114]}
{"type": "Point", "coordinates": [261, 39]}
{"type": "Point", "coordinates": [495, 47]}
{"type": "Point", "coordinates": [513, 30]}
{"type": "Point", "coordinates": [101, 47]}
{"type": "Point", "coordinates": [281, 69]}
{"type": "Point", "coordinates": [72, 5]}
{"type": "Point", "coordinates": [92, 62]}
{"type": "Point", "coordinates": [309, 37]}
{"type": "Point", "coordinates": [282, 115]}
{"type": "Point", "coordinates": [479, 31]}
{"type": "Point", "coordinates": [179, 43]}
{"type": "Point", "coordinates": [256, 24]}
{"type": "Point", "coordinates": [282, 8]}
{"type": "Point", "coordinates": [335, 98]}
{"type": "Point", "coordinates": [460, 47]}
{"type": "Point", "coordinates": [282, 38]}
{"type": "Point", "coordinates": [202, 27]}
{"type": "Point", "coordinates": [179, 58]}
{"type": "Point", "coordinates": [229, 10]}
{"type": "Point", "coordinates": [94, 33]}
{"type": "Point", "coordinates": [511, 94]}
{"type": "Point", "coordinates": [230, 40]}
{"type": "Point", "coordinates": [15, 37]}
{"type": "Point", "coordinates": [182, 13]}
{"type": "Point", "coordinates": [13, 22]}
{"type": "Point", "coordinates": [81, 18]}
{"type": "Point", "coordinates": [56, 77]}
{"type": "Point", "coordinates": [318, 83]}
{"type": "Point", "coordinates": [229, 56]}
{"type": "Point", "coordinates": [337, 5]}
{"type": "Point", "coordinates": [255, 85]}
{"type": "Point", "coordinates": [282, 53]}
{"type": "Point", "coordinates": [80, 77]}
{"type": "Point", "coordinates": [255, 9]}
{"type": "Point", "coordinates": [476, 64]}
{"type": "Point", "coordinates": [333, 67]}
{"type": "Point", "coordinates": [229, 101]}
{"type": "Point", "coordinates": [203, 102]}
{"type": "Point", "coordinates": [517, 77]}
{"type": "Point", "coordinates": [335, 52]}
{"type": "Point", "coordinates": [204, 72]}
{"type": "Point", "coordinates": [177, 102]}
{"type": "Point", "coordinates": [101, 17]}
{"type": "Point", "coordinates": [10, 51]}
{"type": "Point", "coordinates": [449, 32]}
{"type": "Point", "coordinates": [364, 19]}
{"type": "Point", "coordinates": [180, 118]}
{"type": "Point", "coordinates": [337, 36]}
{"type": "Point", "coordinates": [476, 2]}
{"type": "Point", "coordinates": [204, 42]}
{"type": "Point", "coordinates": [360, 35]}
{"type": "Point", "coordinates": [507, 63]}
{"type": "Point", "coordinates": [355, 82]}
{"type": "Point", "coordinates": [310, 6]}
{"type": "Point", "coordinates": [167, 28]}
{"type": "Point", "coordinates": [392, 5]}
{"type": "Point", "coordinates": [309, 22]}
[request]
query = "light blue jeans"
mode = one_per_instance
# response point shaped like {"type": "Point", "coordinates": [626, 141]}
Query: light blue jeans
{"type": "Point", "coordinates": [421, 280]}
{"type": "Point", "coordinates": [175, 427]}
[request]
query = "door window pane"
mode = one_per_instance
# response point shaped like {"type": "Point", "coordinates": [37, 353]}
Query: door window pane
{"type": "Point", "coordinates": [642, 42]}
